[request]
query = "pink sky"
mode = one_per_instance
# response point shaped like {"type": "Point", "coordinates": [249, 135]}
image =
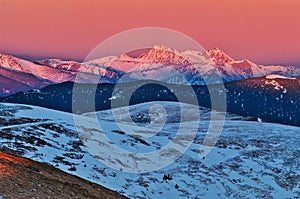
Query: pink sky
{"type": "Point", "coordinates": [264, 31]}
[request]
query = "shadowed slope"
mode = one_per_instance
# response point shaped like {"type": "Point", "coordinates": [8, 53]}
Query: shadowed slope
{"type": "Point", "coordinates": [23, 178]}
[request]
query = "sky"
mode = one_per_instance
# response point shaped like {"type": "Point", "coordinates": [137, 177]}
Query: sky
{"type": "Point", "coordinates": [264, 31]}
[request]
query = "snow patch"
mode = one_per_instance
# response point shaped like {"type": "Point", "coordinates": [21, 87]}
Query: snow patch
{"type": "Point", "coordinates": [273, 76]}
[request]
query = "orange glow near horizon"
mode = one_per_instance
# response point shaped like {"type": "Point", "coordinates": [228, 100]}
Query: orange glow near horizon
{"type": "Point", "coordinates": [263, 31]}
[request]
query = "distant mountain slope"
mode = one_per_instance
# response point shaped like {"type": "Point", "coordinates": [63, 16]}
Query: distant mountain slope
{"type": "Point", "coordinates": [94, 67]}
{"type": "Point", "coordinates": [25, 78]}
{"type": "Point", "coordinates": [243, 69]}
{"type": "Point", "coordinates": [10, 86]}
{"type": "Point", "coordinates": [269, 98]}
{"type": "Point", "coordinates": [24, 178]}
{"type": "Point", "coordinates": [59, 71]}
{"type": "Point", "coordinates": [41, 71]}
{"type": "Point", "coordinates": [13, 81]}
{"type": "Point", "coordinates": [273, 98]}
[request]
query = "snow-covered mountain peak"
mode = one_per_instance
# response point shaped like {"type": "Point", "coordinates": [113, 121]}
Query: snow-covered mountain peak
{"type": "Point", "coordinates": [9, 61]}
{"type": "Point", "coordinates": [55, 62]}
{"type": "Point", "coordinates": [242, 64]}
{"type": "Point", "coordinates": [125, 57]}
{"type": "Point", "coordinates": [163, 55]}
{"type": "Point", "coordinates": [219, 56]}
{"type": "Point", "coordinates": [3, 56]}
{"type": "Point", "coordinates": [103, 61]}
{"type": "Point", "coordinates": [165, 47]}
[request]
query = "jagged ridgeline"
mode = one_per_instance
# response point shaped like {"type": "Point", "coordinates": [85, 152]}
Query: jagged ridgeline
{"type": "Point", "coordinates": [160, 63]}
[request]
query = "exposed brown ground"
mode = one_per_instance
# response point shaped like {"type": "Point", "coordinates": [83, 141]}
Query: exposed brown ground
{"type": "Point", "coordinates": [23, 178]}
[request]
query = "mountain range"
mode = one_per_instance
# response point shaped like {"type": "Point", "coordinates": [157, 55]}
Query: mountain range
{"type": "Point", "coordinates": [159, 63]}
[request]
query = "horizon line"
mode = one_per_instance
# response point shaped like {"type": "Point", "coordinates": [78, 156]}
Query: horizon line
{"type": "Point", "coordinates": [80, 60]}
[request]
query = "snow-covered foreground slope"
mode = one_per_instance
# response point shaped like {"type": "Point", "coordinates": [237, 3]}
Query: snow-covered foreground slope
{"type": "Point", "coordinates": [250, 160]}
{"type": "Point", "coordinates": [145, 112]}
